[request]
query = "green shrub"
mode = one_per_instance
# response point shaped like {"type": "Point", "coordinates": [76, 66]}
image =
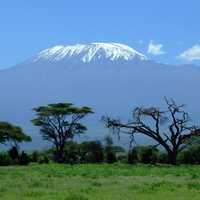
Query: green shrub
{"type": "Point", "coordinates": [147, 154]}
{"type": "Point", "coordinates": [35, 156]}
{"type": "Point", "coordinates": [24, 159]}
{"type": "Point", "coordinates": [43, 159]}
{"type": "Point", "coordinates": [143, 154]}
{"type": "Point", "coordinates": [110, 154]}
{"type": "Point", "coordinates": [162, 157]}
{"type": "Point", "coordinates": [91, 152]}
{"type": "Point", "coordinates": [132, 156]}
{"type": "Point", "coordinates": [122, 157]}
{"type": "Point", "coordinates": [190, 155]}
{"type": "Point", "coordinates": [72, 152]}
{"type": "Point", "coordinates": [14, 155]}
{"type": "Point", "coordinates": [5, 159]}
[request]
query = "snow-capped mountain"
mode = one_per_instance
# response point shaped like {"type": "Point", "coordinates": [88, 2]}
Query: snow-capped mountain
{"type": "Point", "coordinates": [111, 78]}
{"type": "Point", "coordinates": [89, 53]}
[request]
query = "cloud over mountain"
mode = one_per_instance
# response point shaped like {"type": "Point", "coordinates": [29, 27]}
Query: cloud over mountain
{"type": "Point", "coordinates": [191, 54]}
{"type": "Point", "coordinates": [155, 48]}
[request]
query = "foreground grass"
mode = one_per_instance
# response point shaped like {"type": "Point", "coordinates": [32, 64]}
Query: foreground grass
{"type": "Point", "coordinates": [99, 182]}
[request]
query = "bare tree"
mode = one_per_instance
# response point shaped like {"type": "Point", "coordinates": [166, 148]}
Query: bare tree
{"type": "Point", "coordinates": [170, 128]}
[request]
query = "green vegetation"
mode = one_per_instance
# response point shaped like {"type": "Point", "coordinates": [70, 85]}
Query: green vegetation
{"type": "Point", "coordinates": [101, 170]}
{"type": "Point", "coordinates": [59, 123]}
{"type": "Point", "coordinates": [10, 133]}
{"type": "Point", "coordinates": [149, 121]}
{"type": "Point", "coordinates": [99, 182]}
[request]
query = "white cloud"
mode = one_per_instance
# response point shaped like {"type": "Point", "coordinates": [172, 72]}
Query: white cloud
{"type": "Point", "coordinates": [191, 54]}
{"type": "Point", "coordinates": [155, 48]}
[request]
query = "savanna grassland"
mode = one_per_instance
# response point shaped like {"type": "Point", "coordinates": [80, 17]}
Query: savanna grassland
{"type": "Point", "coordinates": [99, 182]}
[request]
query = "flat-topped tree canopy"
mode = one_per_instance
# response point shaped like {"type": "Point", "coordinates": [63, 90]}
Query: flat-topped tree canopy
{"type": "Point", "coordinates": [61, 109]}
{"type": "Point", "coordinates": [12, 133]}
{"type": "Point", "coordinates": [59, 122]}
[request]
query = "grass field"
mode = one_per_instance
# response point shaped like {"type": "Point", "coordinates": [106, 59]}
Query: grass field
{"type": "Point", "coordinates": [99, 182]}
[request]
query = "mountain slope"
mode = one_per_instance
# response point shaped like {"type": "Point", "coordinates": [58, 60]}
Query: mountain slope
{"type": "Point", "coordinates": [108, 82]}
{"type": "Point", "coordinates": [89, 53]}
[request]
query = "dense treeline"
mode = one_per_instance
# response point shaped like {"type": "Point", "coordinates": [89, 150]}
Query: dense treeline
{"type": "Point", "coordinates": [60, 122]}
{"type": "Point", "coordinates": [98, 152]}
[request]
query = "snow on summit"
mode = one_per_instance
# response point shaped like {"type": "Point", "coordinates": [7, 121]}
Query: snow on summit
{"type": "Point", "coordinates": [90, 52]}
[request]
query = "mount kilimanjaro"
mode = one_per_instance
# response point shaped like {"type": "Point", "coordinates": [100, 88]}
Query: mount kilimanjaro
{"type": "Point", "coordinates": [111, 78]}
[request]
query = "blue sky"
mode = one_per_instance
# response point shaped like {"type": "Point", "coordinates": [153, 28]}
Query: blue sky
{"type": "Point", "coordinates": [169, 27]}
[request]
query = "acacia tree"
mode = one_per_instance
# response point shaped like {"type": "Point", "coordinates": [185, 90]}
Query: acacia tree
{"type": "Point", "coordinates": [13, 134]}
{"type": "Point", "coordinates": [59, 123]}
{"type": "Point", "coordinates": [170, 128]}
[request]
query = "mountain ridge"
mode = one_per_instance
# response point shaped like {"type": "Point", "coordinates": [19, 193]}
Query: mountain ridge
{"type": "Point", "coordinates": [90, 52]}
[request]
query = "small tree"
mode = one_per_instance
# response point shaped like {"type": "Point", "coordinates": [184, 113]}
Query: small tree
{"type": "Point", "coordinates": [24, 159]}
{"type": "Point", "coordinates": [147, 154]}
{"type": "Point", "coordinates": [132, 156]}
{"type": "Point", "coordinates": [59, 123]}
{"type": "Point", "coordinates": [72, 152]}
{"type": "Point", "coordinates": [91, 152]}
{"type": "Point", "coordinates": [14, 154]}
{"type": "Point", "coordinates": [172, 136]}
{"type": "Point", "coordinates": [13, 134]}
{"type": "Point", "coordinates": [109, 150]}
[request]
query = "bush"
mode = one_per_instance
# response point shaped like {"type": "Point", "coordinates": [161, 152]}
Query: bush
{"type": "Point", "coordinates": [24, 159]}
{"type": "Point", "coordinates": [132, 156]}
{"type": "Point", "coordinates": [162, 157]}
{"type": "Point", "coordinates": [5, 159]}
{"type": "Point", "coordinates": [110, 156]}
{"type": "Point", "coordinates": [143, 154]}
{"type": "Point", "coordinates": [91, 152]}
{"type": "Point", "coordinates": [14, 155]}
{"type": "Point", "coordinates": [43, 159]}
{"type": "Point", "coordinates": [72, 152]}
{"type": "Point", "coordinates": [35, 156]}
{"type": "Point", "coordinates": [147, 154]}
{"type": "Point", "coordinates": [110, 150]}
{"type": "Point", "coordinates": [190, 155]}
{"type": "Point", "coordinates": [122, 157]}
{"type": "Point", "coordinates": [41, 156]}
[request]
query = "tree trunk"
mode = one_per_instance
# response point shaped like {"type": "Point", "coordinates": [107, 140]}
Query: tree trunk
{"type": "Point", "coordinates": [59, 156]}
{"type": "Point", "coordinates": [172, 157]}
